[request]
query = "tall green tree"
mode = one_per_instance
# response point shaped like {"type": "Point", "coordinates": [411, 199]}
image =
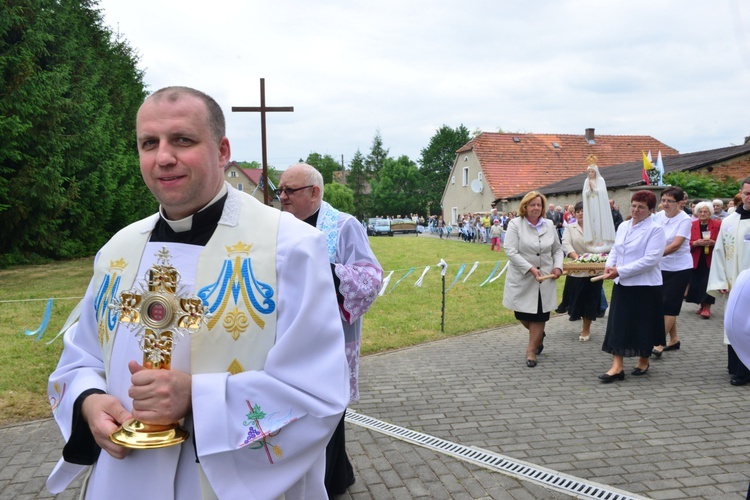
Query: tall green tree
{"type": "Point", "coordinates": [340, 197]}
{"type": "Point", "coordinates": [376, 159]}
{"type": "Point", "coordinates": [398, 188]}
{"type": "Point", "coordinates": [437, 161]}
{"type": "Point", "coordinates": [326, 165]}
{"type": "Point", "coordinates": [357, 181]}
{"type": "Point", "coordinates": [68, 97]}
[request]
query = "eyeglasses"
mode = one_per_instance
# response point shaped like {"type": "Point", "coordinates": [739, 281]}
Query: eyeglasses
{"type": "Point", "coordinates": [289, 191]}
{"type": "Point", "coordinates": [663, 200]}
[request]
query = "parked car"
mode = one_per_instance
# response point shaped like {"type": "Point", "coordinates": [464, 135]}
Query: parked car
{"type": "Point", "coordinates": [379, 227]}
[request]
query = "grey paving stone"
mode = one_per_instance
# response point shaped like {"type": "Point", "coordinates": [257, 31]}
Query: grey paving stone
{"type": "Point", "coordinates": [679, 432]}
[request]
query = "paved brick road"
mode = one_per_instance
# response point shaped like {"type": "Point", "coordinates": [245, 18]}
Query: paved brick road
{"type": "Point", "coordinates": [681, 431]}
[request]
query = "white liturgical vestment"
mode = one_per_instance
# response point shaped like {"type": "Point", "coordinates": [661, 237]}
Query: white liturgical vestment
{"type": "Point", "coordinates": [269, 374]}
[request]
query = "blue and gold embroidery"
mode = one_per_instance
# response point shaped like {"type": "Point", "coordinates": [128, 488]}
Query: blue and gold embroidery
{"type": "Point", "coordinates": [105, 316]}
{"type": "Point", "coordinates": [237, 291]}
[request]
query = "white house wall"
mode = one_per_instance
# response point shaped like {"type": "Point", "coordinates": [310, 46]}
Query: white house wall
{"type": "Point", "coordinates": [461, 197]}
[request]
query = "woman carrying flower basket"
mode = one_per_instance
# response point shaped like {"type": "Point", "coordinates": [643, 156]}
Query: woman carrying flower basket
{"type": "Point", "coordinates": [584, 295]}
{"type": "Point", "coordinates": [534, 251]}
{"type": "Point", "coordinates": [636, 314]}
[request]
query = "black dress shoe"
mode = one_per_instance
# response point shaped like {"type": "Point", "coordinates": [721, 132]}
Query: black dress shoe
{"type": "Point", "coordinates": [740, 380]}
{"type": "Point", "coordinates": [606, 378]}
{"type": "Point", "coordinates": [656, 353]}
{"type": "Point", "coordinates": [531, 363]}
{"type": "Point", "coordinates": [638, 372]}
{"type": "Point", "coordinates": [673, 347]}
{"type": "Point", "coordinates": [541, 345]}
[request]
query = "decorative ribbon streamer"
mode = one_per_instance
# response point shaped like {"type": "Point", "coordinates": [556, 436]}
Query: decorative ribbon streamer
{"type": "Point", "coordinates": [458, 275]}
{"type": "Point", "coordinates": [72, 319]}
{"type": "Point", "coordinates": [45, 321]}
{"type": "Point", "coordinates": [384, 285]}
{"type": "Point", "coordinates": [491, 274]}
{"type": "Point", "coordinates": [402, 278]}
{"type": "Point", "coordinates": [476, 264]}
{"type": "Point", "coordinates": [501, 272]}
{"type": "Point", "coordinates": [419, 281]}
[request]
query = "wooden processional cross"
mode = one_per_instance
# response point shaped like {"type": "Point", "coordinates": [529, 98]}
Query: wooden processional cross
{"type": "Point", "coordinates": [262, 110]}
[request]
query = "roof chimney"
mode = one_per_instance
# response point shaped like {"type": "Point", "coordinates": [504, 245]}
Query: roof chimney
{"type": "Point", "coordinates": [590, 135]}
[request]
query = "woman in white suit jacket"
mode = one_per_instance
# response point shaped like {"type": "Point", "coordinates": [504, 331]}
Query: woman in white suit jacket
{"type": "Point", "coordinates": [534, 251]}
{"type": "Point", "coordinates": [636, 312]}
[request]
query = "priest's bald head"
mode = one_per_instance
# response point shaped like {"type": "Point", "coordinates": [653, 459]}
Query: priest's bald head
{"type": "Point", "coordinates": [301, 190]}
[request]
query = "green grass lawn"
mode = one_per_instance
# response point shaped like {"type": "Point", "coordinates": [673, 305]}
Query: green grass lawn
{"type": "Point", "coordinates": [25, 364]}
{"type": "Point", "coordinates": [403, 316]}
{"type": "Point", "coordinates": [409, 315]}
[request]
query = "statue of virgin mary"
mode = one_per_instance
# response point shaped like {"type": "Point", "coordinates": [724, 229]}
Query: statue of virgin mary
{"type": "Point", "coordinates": [598, 226]}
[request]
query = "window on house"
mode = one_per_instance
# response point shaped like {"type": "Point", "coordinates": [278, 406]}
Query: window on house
{"type": "Point", "coordinates": [465, 179]}
{"type": "Point", "coordinates": [453, 179]}
{"type": "Point", "coordinates": [454, 216]}
{"type": "Point", "coordinates": [239, 187]}
{"type": "Point", "coordinates": [232, 174]}
{"type": "Point", "coordinates": [479, 176]}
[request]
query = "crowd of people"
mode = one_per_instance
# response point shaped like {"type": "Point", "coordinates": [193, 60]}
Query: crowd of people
{"type": "Point", "coordinates": [273, 302]}
{"type": "Point", "coordinates": [663, 254]}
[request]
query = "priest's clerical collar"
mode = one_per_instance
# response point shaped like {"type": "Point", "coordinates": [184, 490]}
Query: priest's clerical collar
{"type": "Point", "coordinates": [186, 224]}
{"type": "Point", "coordinates": [313, 219]}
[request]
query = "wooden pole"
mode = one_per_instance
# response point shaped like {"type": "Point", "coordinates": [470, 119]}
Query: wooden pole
{"type": "Point", "coordinates": [262, 110]}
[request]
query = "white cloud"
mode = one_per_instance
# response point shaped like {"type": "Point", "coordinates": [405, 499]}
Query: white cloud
{"type": "Point", "coordinates": [671, 69]}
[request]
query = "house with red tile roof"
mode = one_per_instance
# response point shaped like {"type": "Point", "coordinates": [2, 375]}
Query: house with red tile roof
{"type": "Point", "coordinates": [624, 179]}
{"type": "Point", "coordinates": [495, 166]}
{"type": "Point", "coordinates": [248, 180]}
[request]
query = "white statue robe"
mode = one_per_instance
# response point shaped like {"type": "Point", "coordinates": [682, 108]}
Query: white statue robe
{"type": "Point", "coordinates": [598, 227]}
{"type": "Point", "coordinates": [360, 277]}
{"type": "Point", "coordinates": [296, 397]}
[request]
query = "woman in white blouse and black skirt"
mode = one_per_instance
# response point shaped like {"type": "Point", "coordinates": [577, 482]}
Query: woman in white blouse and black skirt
{"type": "Point", "coordinates": [676, 265]}
{"type": "Point", "coordinates": [636, 314]}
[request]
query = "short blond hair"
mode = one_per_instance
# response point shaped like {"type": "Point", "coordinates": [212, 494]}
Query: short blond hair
{"type": "Point", "coordinates": [527, 199]}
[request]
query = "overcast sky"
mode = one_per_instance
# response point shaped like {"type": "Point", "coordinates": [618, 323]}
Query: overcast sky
{"type": "Point", "coordinates": [678, 71]}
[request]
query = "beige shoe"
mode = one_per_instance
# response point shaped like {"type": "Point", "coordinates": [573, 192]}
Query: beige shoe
{"type": "Point", "coordinates": [584, 338]}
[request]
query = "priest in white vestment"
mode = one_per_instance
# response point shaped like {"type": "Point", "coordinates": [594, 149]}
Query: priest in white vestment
{"type": "Point", "coordinates": [260, 386]}
{"type": "Point", "coordinates": [731, 257]}
{"type": "Point", "coordinates": [357, 276]}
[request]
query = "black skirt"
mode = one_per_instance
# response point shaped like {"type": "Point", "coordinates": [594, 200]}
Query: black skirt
{"type": "Point", "coordinates": [698, 284]}
{"type": "Point", "coordinates": [584, 299]}
{"type": "Point", "coordinates": [636, 321]}
{"type": "Point", "coordinates": [538, 317]}
{"type": "Point", "coordinates": [675, 284]}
